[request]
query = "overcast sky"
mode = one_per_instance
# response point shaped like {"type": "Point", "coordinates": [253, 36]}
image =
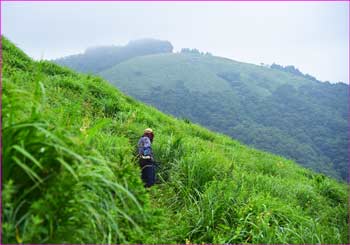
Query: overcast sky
{"type": "Point", "coordinates": [313, 36]}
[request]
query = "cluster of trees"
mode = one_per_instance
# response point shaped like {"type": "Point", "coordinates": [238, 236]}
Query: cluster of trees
{"type": "Point", "coordinates": [293, 70]}
{"type": "Point", "coordinates": [194, 51]}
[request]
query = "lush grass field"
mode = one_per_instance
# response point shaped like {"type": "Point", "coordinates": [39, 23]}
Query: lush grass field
{"type": "Point", "coordinates": [70, 173]}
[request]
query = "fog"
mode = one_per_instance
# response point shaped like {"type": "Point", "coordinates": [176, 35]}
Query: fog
{"type": "Point", "coordinates": [313, 36]}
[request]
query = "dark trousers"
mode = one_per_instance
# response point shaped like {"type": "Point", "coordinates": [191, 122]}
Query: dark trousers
{"type": "Point", "coordinates": [148, 173]}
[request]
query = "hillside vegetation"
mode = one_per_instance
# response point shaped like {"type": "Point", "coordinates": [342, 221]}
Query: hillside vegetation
{"type": "Point", "coordinates": [275, 108]}
{"type": "Point", "coordinates": [70, 173]}
{"type": "Point", "coordinates": [278, 110]}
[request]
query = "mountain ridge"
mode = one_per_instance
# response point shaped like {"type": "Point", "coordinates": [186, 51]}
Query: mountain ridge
{"type": "Point", "coordinates": [98, 58]}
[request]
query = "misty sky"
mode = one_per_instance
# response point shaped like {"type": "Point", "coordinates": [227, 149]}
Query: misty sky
{"type": "Point", "coordinates": [313, 36]}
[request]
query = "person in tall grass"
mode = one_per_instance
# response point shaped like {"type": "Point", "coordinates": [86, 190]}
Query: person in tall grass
{"type": "Point", "coordinates": [146, 159]}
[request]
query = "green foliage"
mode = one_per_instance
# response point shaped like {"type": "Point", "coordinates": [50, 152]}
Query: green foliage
{"type": "Point", "coordinates": [70, 173]}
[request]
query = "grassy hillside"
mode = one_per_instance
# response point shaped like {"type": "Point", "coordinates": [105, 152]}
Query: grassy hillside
{"type": "Point", "coordinates": [200, 73]}
{"type": "Point", "coordinates": [70, 175]}
{"type": "Point", "coordinates": [286, 113]}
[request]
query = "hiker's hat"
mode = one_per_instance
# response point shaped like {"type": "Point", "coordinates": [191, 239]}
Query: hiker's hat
{"type": "Point", "coordinates": [148, 131]}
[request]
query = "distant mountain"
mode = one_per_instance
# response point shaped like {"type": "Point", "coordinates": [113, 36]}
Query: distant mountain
{"type": "Point", "coordinates": [99, 58]}
{"type": "Point", "coordinates": [276, 108]}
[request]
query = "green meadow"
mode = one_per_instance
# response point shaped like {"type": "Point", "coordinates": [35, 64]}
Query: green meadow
{"type": "Point", "coordinates": [70, 174]}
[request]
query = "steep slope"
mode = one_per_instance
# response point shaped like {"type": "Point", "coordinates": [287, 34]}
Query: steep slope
{"type": "Point", "coordinates": [100, 58]}
{"type": "Point", "coordinates": [286, 113]}
{"type": "Point", "coordinates": [70, 175]}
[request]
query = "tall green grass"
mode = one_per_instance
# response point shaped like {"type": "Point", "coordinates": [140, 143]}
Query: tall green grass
{"type": "Point", "coordinates": [70, 174]}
